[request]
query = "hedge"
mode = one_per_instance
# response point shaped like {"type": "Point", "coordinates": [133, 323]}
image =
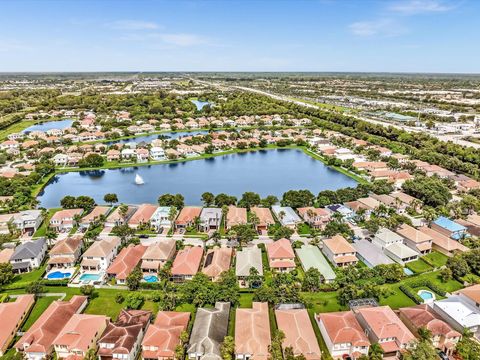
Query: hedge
{"type": "Point", "coordinates": [429, 284]}
{"type": "Point", "coordinates": [407, 290]}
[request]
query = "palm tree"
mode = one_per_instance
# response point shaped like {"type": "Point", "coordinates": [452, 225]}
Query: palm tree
{"type": "Point", "coordinates": [224, 215]}
{"type": "Point", "coordinates": [429, 214]}
{"type": "Point", "coordinates": [172, 215]}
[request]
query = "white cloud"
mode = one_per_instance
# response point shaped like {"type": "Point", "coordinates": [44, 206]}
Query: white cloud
{"type": "Point", "coordinates": [133, 25]}
{"type": "Point", "coordinates": [183, 39]}
{"type": "Point", "coordinates": [412, 7]}
{"type": "Point", "coordinates": [382, 27]}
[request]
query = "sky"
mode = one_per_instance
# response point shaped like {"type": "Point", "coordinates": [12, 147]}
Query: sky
{"type": "Point", "coordinates": [432, 36]}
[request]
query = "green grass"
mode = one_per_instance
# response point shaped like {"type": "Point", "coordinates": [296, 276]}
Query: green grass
{"type": "Point", "coordinates": [321, 342]}
{"type": "Point", "coordinates": [395, 297]}
{"type": "Point", "coordinates": [29, 277]}
{"type": "Point", "coordinates": [185, 308]}
{"type": "Point", "coordinates": [418, 266]}
{"type": "Point", "coordinates": [323, 302]}
{"type": "Point", "coordinates": [41, 231]}
{"type": "Point", "coordinates": [246, 300]}
{"type": "Point", "coordinates": [436, 258]}
{"type": "Point", "coordinates": [304, 229]}
{"type": "Point", "coordinates": [41, 304]}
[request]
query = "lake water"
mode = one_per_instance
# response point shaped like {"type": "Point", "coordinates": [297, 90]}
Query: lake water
{"type": "Point", "coordinates": [49, 125]}
{"type": "Point", "coordinates": [149, 138]}
{"type": "Point", "coordinates": [265, 172]}
{"type": "Point", "coordinates": [200, 104]}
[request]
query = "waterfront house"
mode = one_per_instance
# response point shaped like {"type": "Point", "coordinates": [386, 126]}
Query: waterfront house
{"type": "Point", "coordinates": [100, 254]}
{"type": "Point", "coordinates": [163, 336]}
{"type": "Point", "coordinates": [113, 155]}
{"type": "Point", "coordinates": [235, 216]}
{"type": "Point", "coordinates": [117, 218]}
{"type": "Point", "coordinates": [161, 218]}
{"type": "Point", "coordinates": [281, 256]}
{"type": "Point", "coordinates": [79, 335]}
{"type": "Point", "coordinates": [28, 255]}
{"type": "Point", "coordinates": [187, 217]}
{"type": "Point", "coordinates": [299, 333]}
{"type": "Point", "coordinates": [310, 256]}
{"type": "Point", "coordinates": [157, 153]}
{"type": "Point", "coordinates": [143, 215]}
{"type": "Point", "coordinates": [265, 218]}
{"type": "Point", "coordinates": [122, 338]}
{"type": "Point", "coordinates": [343, 335]}
{"type": "Point", "coordinates": [416, 240]}
{"type": "Point", "coordinates": [449, 228]}
{"type": "Point", "coordinates": [65, 220]}
{"type": "Point", "coordinates": [344, 211]}
{"type": "Point", "coordinates": [28, 221]}
{"type": "Point", "coordinates": [382, 326]}
{"type": "Point", "coordinates": [286, 216]}
{"type": "Point", "coordinates": [248, 258]}
{"type": "Point", "coordinates": [210, 219]}
{"type": "Point", "coordinates": [443, 243]}
{"type": "Point", "coordinates": [37, 342]}
{"type": "Point", "coordinates": [65, 253]}
{"type": "Point", "coordinates": [186, 263]}
{"type": "Point", "coordinates": [96, 214]}
{"type": "Point", "coordinates": [252, 332]}
{"type": "Point", "coordinates": [317, 218]}
{"type": "Point", "coordinates": [157, 254]}
{"type": "Point", "coordinates": [339, 251]}
{"type": "Point", "coordinates": [370, 254]}
{"type": "Point", "coordinates": [126, 261]}
{"type": "Point", "coordinates": [444, 337]}
{"type": "Point", "coordinates": [209, 330]}
{"type": "Point", "coordinates": [217, 261]}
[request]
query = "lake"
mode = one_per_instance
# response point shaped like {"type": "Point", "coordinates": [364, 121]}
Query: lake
{"type": "Point", "coordinates": [200, 104]}
{"type": "Point", "coordinates": [49, 125]}
{"type": "Point", "coordinates": [265, 172]}
{"type": "Point", "coordinates": [149, 138]}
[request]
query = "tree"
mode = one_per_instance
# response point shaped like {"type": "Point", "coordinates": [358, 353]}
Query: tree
{"type": "Point", "coordinates": [468, 348]}
{"type": "Point", "coordinates": [446, 274]}
{"type": "Point", "coordinates": [312, 280]}
{"type": "Point", "coordinates": [85, 202]}
{"type": "Point", "coordinates": [224, 199]}
{"type": "Point", "coordinates": [123, 211]}
{"type": "Point", "coordinates": [67, 202]}
{"type": "Point", "coordinates": [176, 200]}
{"type": "Point", "coordinates": [269, 201]}
{"type": "Point", "coordinates": [280, 232]}
{"type": "Point", "coordinates": [347, 293]}
{"type": "Point", "coordinates": [249, 199]}
{"type": "Point", "coordinates": [254, 279]}
{"type": "Point", "coordinates": [90, 355]}
{"type": "Point", "coordinates": [134, 279]}
{"type": "Point", "coordinates": [244, 233]}
{"type": "Point", "coordinates": [123, 231]}
{"type": "Point", "coordinates": [228, 288]}
{"type": "Point", "coordinates": [50, 234]}
{"type": "Point", "coordinates": [87, 290]}
{"type": "Point", "coordinates": [431, 190]}
{"type": "Point", "coordinates": [208, 199]}
{"type": "Point", "coordinates": [172, 215]}
{"type": "Point", "coordinates": [91, 160]}
{"type": "Point", "coordinates": [375, 352]}
{"type": "Point", "coordinates": [227, 348]}
{"type": "Point", "coordinates": [422, 350]}
{"type": "Point", "coordinates": [6, 273]}
{"type": "Point", "coordinates": [298, 198]}
{"type": "Point", "coordinates": [275, 348]}
{"type": "Point", "coordinates": [458, 265]}
{"type": "Point", "coordinates": [134, 300]}
{"type": "Point", "coordinates": [35, 288]}
{"type": "Point", "coordinates": [110, 198]}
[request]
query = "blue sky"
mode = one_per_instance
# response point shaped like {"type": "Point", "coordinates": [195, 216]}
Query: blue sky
{"type": "Point", "coordinates": [244, 35]}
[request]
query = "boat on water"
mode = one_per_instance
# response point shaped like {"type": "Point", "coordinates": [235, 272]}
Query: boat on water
{"type": "Point", "coordinates": [139, 180]}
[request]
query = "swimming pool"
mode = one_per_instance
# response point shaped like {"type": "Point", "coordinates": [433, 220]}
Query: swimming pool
{"type": "Point", "coordinates": [150, 278]}
{"type": "Point", "coordinates": [426, 295]}
{"type": "Point", "coordinates": [58, 275]}
{"type": "Point", "coordinates": [407, 271]}
{"type": "Point", "coordinates": [90, 277]}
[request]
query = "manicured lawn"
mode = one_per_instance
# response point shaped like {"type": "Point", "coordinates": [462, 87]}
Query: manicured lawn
{"type": "Point", "coordinates": [418, 266]}
{"type": "Point", "coordinates": [41, 304]}
{"type": "Point", "coordinates": [395, 297]}
{"type": "Point", "coordinates": [449, 286]}
{"type": "Point", "coordinates": [29, 277]}
{"type": "Point", "coordinates": [186, 308]}
{"type": "Point", "coordinates": [436, 258]}
{"type": "Point", "coordinates": [246, 300]}
{"type": "Point", "coordinates": [43, 228]}
{"type": "Point", "coordinates": [323, 301]}
{"type": "Point", "coordinates": [304, 229]}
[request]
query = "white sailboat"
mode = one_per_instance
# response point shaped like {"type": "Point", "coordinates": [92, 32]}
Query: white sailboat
{"type": "Point", "coordinates": [139, 180]}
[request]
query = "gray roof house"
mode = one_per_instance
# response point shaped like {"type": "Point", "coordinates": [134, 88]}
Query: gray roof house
{"type": "Point", "coordinates": [372, 255]}
{"type": "Point", "coordinates": [208, 332]}
{"type": "Point", "coordinates": [246, 259]}
{"type": "Point", "coordinates": [210, 219]}
{"type": "Point", "coordinates": [28, 255]}
{"type": "Point", "coordinates": [286, 215]}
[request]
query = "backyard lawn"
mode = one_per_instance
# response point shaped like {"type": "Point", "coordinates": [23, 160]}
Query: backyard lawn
{"type": "Point", "coordinates": [43, 228]}
{"type": "Point", "coordinates": [436, 258]}
{"type": "Point", "coordinates": [41, 304]}
{"type": "Point", "coordinates": [418, 266]}
{"type": "Point", "coordinates": [323, 301]}
{"type": "Point", "coordinates": [29, 277]}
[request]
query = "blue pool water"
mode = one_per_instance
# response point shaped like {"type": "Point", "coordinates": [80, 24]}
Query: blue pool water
{"type": "Point", "coordinates": [407, 271]}
{"type": "Point", "coordinates": [150, 278]}
{"type": "Point", "coordinates": [90, 277]}
{"type": "Point", "coordinates": [425, 295]}
{"type": "Point", "coordinates": [49, 125]}
{"type": "Point", "coordinates": [56, 275]}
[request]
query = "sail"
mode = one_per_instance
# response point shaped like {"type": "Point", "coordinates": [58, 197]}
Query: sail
{"type": "Point", "coordinates": [139, 180]}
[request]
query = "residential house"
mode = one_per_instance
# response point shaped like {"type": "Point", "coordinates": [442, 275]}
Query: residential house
{"type": "Point", "coordinates": [444, 337]}
{"type": "Point", "coordinates": [252, 332]}
{"type": "Point", "coordinates": [210, 219]}
{"type": "Point", "coordinates": [65, 253]}
{"type": "Point", "coordinates": [117, 218]}
{"type": "Point", "coordinates": [187, 217]}
{"type": "Point", "coordinates": [443, 243]}
{"type": "Point", "coordinates": [287, 216]}
{"type": "Point", "coordinates": [37, 342]}
{"type": "Point", "coordinates": [65, 220]}
{"type": "Point", "coordinates": [28, 221]}
{"type": "Point", "coordinates": [126, 261]}
{"type": "Point", "coordinates": [209, 330]}
{"type": "Point", "coordinates": [13, 314]}
{"type": "Point", "coordinates": [310, 256]}
{"type": "Point", "coordinates": [339, 251]}
{"type": "Point", "coordinates": [186, 263]}
{"type": "Point", "coordinates": [343, 335]}
{"type": "Point", "coordinates": [248, 258]}
{"type": "Point", "coordinates": [345, 212]}
{"type": "Point", "coordinates": [392, 245]}
{"type": "Point", "coordinates": [79, 335]}
{"type": "Point", "coordinates": [317, 218]}
{"type": "Point", "coordinates": [281, 256]}
{"type": "Point", "coordinates": [265, 218]}
{"type": "Point", "coordinates": [235, 216]}
{"type": "Point", "coordinates": [402, 200]}
{"type": "Point", "coordinates": [100, 254]}
{"type": "Point", "coordinates": [161, 218]}
{"type": "Point", "coordinates": [95, 215]}
{"type": "Point", "coordinates": [163, 336]}
{"type": "Point", "coordinates": [28, 255]}
{"type": "Point", "coordinates": [371, 254]}
{"type": "Point", "coordinates": [143, 215]}
{"type": "Point", "coordinates": [217, 261]}
{"type": "Point", "coordinates": [449, 228]}
{"type": "Point", "coordinates": [382, 326]}
{"type": "Point", "coordinates": [122, 338]}
{"type": "Point", "coordinates": [157, 254]}
{"type": "Point", "coordinates": [299, 334]}
{"type": "Point", "coordinates": [416, 240]}
{"type": "Point", "coordinates": [157, 153]}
